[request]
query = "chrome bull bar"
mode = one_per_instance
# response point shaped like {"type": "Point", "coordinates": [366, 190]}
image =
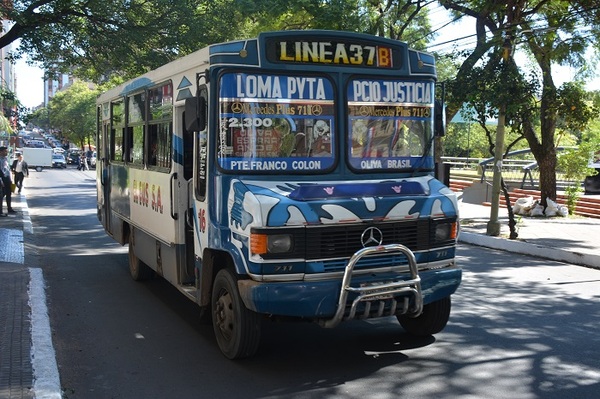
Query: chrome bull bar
{"type": "Point", "coordinates": [372, 293]}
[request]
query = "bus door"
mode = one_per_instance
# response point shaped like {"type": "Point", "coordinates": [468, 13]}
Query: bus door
{"type": "Point", "coordinates": [195, 165]}
{"type": "Point", "coordinates": [187, 271]}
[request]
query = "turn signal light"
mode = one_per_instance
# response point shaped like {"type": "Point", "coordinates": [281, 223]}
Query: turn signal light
{"type": "Point", "coordinates": [261, 244]}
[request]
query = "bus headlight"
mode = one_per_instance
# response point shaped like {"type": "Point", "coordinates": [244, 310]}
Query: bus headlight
{"type": "Point", "coordinates": [446, 231]}
{"type": "Point", "coordinates": [262, 244]}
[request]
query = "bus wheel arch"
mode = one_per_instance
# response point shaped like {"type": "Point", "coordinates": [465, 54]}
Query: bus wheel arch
{"type": "Point", "coordinates": [138, 269]}
{"type": "Point", "coordinates": [236, 328]}
{"type": "Point", "coordinates": [212, 261]}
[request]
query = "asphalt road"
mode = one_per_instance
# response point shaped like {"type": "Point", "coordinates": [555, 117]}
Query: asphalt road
{"type": "Point", "coordinates": [521, 327]}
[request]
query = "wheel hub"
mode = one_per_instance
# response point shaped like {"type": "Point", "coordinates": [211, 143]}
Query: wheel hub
{"type": "Point", "coordinates": [224, 314]}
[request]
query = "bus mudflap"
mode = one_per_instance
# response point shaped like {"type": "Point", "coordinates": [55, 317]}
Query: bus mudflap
{"type": "Point", "coordinates": [379, 293]}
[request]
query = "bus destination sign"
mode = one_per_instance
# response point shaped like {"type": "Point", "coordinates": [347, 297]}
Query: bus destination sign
{"type": "Point", "coordinates": [332, 52]}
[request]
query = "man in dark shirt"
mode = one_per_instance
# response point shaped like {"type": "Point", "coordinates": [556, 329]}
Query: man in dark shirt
{"type": "Point", "coordinates": [21, 170]}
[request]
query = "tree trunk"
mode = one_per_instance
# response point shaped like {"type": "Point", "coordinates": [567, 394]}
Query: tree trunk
{"type": "Point", "coordinates": [547, 168]}
{"type": "Point", "coordinates": [548, 117]}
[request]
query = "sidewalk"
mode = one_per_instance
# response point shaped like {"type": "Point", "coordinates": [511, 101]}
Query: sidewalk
{"type": "Point", "coordinates": [16, 376]}
{"type": "Point", "coordinates": [565, 239]}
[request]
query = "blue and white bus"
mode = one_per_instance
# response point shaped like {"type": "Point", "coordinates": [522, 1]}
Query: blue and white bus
{"type": "Point", "coordinates": [286, 176]}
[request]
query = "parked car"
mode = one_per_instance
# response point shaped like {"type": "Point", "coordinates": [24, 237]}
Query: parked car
{"type": "Point", "coordinates": [59, 161]}
{"type": "Point", "coordinates": [73, 157]}
{"type": "Point", "coordinates": [91, 158]}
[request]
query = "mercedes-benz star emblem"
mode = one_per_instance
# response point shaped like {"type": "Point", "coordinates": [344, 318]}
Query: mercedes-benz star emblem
{"type": "Point", "coordinates": [236, 107]}
{"type": "Point", "coordinates": [371, 237]}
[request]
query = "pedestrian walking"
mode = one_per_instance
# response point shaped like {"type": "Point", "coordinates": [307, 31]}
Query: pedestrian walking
{"type": "Point", "coordinates": [5, 176]}
{"type": "Point", "coordinates": [21, 170]}
{"type": "Point", "coordinates": [83, 164]}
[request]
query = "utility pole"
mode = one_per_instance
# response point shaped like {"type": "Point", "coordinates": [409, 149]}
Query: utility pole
{"type": "Point", "coordinates": [493, 225]}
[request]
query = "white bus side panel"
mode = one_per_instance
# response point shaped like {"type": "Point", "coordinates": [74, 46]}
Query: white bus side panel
{"type": "Point", "coordinates": [152, 206]}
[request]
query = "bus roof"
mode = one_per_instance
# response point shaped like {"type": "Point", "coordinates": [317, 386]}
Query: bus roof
{"type": "Point", "coordinates": [299, 49]}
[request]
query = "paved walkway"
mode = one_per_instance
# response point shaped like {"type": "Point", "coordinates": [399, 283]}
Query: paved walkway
{"type": "Point", "coordinates": [567, 239]}
{"type": "Point", "coordinates": [16, 377]}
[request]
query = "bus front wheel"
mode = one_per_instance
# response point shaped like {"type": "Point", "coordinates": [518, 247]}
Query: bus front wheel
{"type": "Point", "coordinates": [139, 270]}
{"type": "Point", "coordinates": [236, 328]}
{"type": "Point", "coordinates": [433, 319]}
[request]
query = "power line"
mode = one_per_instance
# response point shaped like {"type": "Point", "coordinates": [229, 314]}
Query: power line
{"type": "Point", "coordinates": [575, 12]}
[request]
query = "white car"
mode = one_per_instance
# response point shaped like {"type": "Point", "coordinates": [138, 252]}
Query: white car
{"type": "Point", "coordinates": [92, 160]}
{"type": "Point", "coordinates": [59, 161]}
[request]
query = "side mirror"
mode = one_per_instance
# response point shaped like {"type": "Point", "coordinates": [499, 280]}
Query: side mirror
{"type": "Point", "coordinates": [439, 114]}
{"type": "Point", "coordinates": [195, 114]}
{"type": "Point", "coordinates": [202, 113]}
{"type": "Point", "coordinates": [192, 123]}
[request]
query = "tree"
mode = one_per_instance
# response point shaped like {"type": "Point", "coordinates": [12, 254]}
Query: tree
{"type": "Point", "coordinates": [98, 39]}
{"type": "Point", "coordinates": [5, 126]}
{"type": "Point", "coordinates": [94, 39]}
{"type": "Point", "coordinates": [553, 32]}
{"type": "Point", "coordinates": [39, 117]}
{"type": "Point", "coordinates": [73, 111]}
{"type": "Point", "coordinates": [397, 19]}
{"type": "Point", "coordinates": [574, 164]}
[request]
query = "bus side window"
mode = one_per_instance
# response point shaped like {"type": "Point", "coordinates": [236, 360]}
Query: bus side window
{"type": "Point", "coordinates": [152, 145]}
{"type": "Point", "coordinates": [159, 145]}
{"type": "Point", "coordinates": [136, 119]}
{"type": "Point", "coordinates": [117, 139]}
{"type": "Point", "coordinates": [137, 144]}
{"type": "Point", "coordinates": [129, 144]}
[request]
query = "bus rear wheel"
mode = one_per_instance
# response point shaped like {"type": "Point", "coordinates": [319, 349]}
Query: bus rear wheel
{"type": "Point", "coordinates": [139, 270]}
{"type": "Point", "coordinates": [236, 328]}
{"type": "Point", "coordinates": [433, 319]}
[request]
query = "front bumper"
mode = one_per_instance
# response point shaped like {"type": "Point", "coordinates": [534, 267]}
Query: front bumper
{"type": "Point", "coordinates": [318, 300]}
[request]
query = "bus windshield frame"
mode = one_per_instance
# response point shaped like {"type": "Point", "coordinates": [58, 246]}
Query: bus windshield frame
{"type": "Point", "coordinates": [274, 122]}
{"type": "Point", "coordinates": [390, 124]}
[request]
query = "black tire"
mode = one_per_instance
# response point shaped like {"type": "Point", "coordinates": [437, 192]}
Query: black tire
{"type": "Point", "coordinates": [139, 270]}
{"type": "Point", "coordinates": [236, 328]}
{"type": "Point", "coordinates": [433, 319]}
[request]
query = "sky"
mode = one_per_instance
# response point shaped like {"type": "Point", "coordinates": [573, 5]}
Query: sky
{"type": "Point", "coordinates": [460, 35]}
{"type": "Point", "coordinates": [30, 84]}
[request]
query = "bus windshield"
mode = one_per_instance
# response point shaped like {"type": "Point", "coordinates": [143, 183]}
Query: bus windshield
{"type": "Point", "coordinates": [390, 124]}
{"type": "Point", "coordinates": [271, 122]}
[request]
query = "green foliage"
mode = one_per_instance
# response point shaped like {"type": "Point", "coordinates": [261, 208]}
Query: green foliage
{"type": "Point", "coordinates": [575, 111]}
{"type": "Point", "coordinates": [98, 39]}
{"type": "Point", "coordinates": [5, 126]}
{"type": "Point", "coordinates": [40, 118]}
{"type": "Point", "coordinates": [574, 162]}
{"type": "Point", "coordinates": [74, 111]}
{"type": "Point", "coordinates": [464, 139]}
{"type": "Point", "coordinates": [550, 30]}
{"type": "Point", "coordinates": [572, 193]}
{"type": "Point", "coordinates": [405, 20]}
{"type": "Point", "coordinates": [574, 165]}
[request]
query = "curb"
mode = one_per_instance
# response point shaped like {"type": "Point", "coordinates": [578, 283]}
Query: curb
{"type": "Point", "coordinates": [520, 247]}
